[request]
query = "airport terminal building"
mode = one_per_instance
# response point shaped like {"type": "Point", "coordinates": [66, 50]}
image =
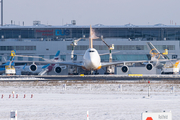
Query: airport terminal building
{"type": "Point", "coordinates": [44, 40]}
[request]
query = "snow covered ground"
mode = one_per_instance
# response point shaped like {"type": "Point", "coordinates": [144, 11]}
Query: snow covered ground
{"type": "Point", "coordinates": [103, 100]}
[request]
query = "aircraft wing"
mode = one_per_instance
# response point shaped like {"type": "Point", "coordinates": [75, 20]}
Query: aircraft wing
{"type": "Point", "coordinates": [26, 61]}
{"type": "Point", "coordinates": [109, 53]}
{"type": "Point", "coordinates": [78, 64]}
{"type": "Point", "coordinates": [121, 62]}
{"type": "Point", "coordinates": [126, 62]}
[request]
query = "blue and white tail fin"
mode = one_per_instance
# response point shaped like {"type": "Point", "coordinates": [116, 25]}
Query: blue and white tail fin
{"type": "Point", "coordinates": [47, 68]}
{"type": "Point", "coordinates": [24, 67]}
{"type": "Point", "coordinates": [56, 57]}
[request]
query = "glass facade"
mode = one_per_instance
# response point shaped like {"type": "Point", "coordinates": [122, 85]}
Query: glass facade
{"type": "Point", "coordinates": [20, 58]}
{"type": "Point", "coordinates": [4, 48]}
{"type": "Point", "coordinates": [30, 59]}
{"type": "Point", "coordinates": [63, 33]}
{"type": "Point", "coordinates": [51, 56]}
{"type": "Point", "coordinates": [63, 57]}
{"type": "Point", "coordinates": [123, 47]}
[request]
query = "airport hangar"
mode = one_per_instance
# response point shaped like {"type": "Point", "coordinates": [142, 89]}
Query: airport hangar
{"type": "Point", "coordinates": [44, 40]}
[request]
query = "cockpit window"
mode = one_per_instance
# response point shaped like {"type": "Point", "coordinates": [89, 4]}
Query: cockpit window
{"type": "Point", "coordinates": [91, 51]}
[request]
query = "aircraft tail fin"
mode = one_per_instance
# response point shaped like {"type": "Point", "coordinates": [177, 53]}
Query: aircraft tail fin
{"type": "Point", "coordinates": [24, 66]}
{"type": "Point", "coordinates": [56, 57]}
{"type": "Point", "coordinates": [152, 48]}
{"type": "Point", "coordinates": [176, 65]}
{"type": "Point", "coordinates": [46, 67]}
{"type": "Point", "coordinates": [11, 59]}
{"type": "Point", "coordinates": [91, 38]}
{"type": "Point", "coordinates": [13, 54]}
{"type": "Point", "coordinates": [155, 54]}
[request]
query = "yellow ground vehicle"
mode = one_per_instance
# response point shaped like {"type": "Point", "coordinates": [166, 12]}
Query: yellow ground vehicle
{"type": "Point", "coordinates": [10, 70]}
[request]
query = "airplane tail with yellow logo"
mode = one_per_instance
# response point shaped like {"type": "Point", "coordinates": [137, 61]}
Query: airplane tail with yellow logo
{"type": "Point", "coordinates": [165, 52]}
{"type": "Point", "coordinates": [155, 54]}
{"type": "Point", "coordinates": [12, 57]}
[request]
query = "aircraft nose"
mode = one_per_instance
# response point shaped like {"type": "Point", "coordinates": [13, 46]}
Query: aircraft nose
{"type": "Point", "coordinates": [93, 63]}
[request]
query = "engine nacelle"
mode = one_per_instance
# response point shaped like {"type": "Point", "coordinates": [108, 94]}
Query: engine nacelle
{"type": "Point", "coordinates": [124, 69]}
{"type": "Point", "coordinates": [33, 67]}
{"type": "Point", "coordinates": [57, 69]}
{"type": "Point", "coordinates": [149, 66]}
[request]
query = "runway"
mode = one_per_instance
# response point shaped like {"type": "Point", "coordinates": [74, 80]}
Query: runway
{"type": "Point", "coordinates": [87, 77]}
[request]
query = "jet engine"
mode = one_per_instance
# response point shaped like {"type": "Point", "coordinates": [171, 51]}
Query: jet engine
{"type": "Point", "coordinates": [149, 66]}
{"type": "Point", "coordinates": [58, 69]}
{"type": "Point", "coordinates": [33, 67]}
{"type": "Point", "coordinates": [124, 69]}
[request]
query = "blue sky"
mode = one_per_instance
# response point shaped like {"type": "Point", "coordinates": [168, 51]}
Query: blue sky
{"type": "Point", "coordinates": [86, 12]}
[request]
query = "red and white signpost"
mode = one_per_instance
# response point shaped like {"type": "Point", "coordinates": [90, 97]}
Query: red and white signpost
{"type": "Point", "coordinates": [156, 116]}
{"type": "Point", "coordinates": [87, 115]}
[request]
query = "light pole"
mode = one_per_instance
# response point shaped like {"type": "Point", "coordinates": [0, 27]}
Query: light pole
{"type": "Point", "coordinates": [1, 12]}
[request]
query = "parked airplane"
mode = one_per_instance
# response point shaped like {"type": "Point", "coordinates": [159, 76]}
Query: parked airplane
{"type": "Point", "coordinates": [8, 67]}
{"type": "Point", "coordinates": [167, 67]}
{"type": "Point", "coordinates": [34, 69]}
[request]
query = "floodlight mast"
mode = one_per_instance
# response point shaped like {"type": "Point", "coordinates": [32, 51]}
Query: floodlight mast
{"type": "Point", "coordinates": [1, 12]}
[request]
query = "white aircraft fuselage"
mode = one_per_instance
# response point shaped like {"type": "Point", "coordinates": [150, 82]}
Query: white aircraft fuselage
{"type": "Point", "coordinates": [91, 60]}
